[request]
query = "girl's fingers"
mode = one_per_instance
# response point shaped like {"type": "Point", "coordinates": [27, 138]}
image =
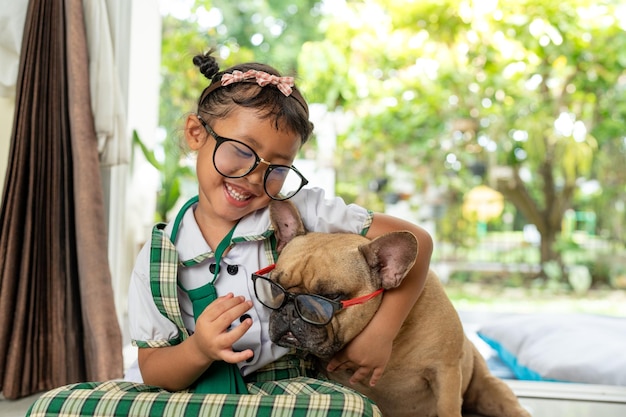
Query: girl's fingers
{"type": "Point", "coordinates": [236, 332]}
{"type": "Point", "coordinates": [229, 338]}
{"type": "Point", "coordinates": [234, 357]}
{"type": "Point", "coordinates": [337, 362]}
{"type": "Point", "coordinates": [226, 309]}
{"type": "Point", "coordinates": [225, 340]}
{"type": "Point", "coordinates": [220, 325]}
{"type": "Point", "coordinates": [359, 375]}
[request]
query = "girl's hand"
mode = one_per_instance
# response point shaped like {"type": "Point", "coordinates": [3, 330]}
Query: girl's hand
{"type": "Point", "coordinates": [214, 338]}
{"type": "Point", "coordinates": [366, 356]}
{"type": "Point", "coordinates": [177, 367]}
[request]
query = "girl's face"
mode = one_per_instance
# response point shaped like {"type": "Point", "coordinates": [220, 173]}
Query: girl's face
{"type": "Point", "coordinates": [229, 199]}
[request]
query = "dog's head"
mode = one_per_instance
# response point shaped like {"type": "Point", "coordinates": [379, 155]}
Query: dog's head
{"type": "Point", "coordinates": [338, 267]}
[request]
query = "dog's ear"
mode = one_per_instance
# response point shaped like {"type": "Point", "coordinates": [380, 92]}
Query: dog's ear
{"type": "Point", "coordinates": [392, 255]}
{"type": "Point", "coordinates": [286, 221]}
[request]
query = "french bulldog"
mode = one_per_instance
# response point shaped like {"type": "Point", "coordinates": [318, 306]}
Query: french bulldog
{"type": "Point", "coordinates": [434, 369]}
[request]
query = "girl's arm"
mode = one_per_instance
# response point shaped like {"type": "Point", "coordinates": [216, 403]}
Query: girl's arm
{"type": "Point", "coordinates": [370, 351]}
{"type": "Point", "coordinates": [177, 367]}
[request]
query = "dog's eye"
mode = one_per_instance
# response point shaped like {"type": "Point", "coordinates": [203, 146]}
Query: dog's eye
{"type": "Point", "coordinates": [328, 292]}
{"type": "Point", "coordinates": [335, 296]}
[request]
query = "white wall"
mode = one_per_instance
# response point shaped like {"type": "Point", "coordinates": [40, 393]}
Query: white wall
{"type": "Point", "coordinates": [7, 107]}
{"type": "Point", "coordinates": [12, 17]}
{"type": "Point", "coordinates": [131, 189]}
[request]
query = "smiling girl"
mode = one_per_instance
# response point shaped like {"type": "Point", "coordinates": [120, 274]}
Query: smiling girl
{"type": "Point", "coordinates": [192, 309]}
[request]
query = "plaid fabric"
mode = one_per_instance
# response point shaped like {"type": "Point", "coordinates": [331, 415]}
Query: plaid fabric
{"type": "Point", "coordinates": [289, 366]}
{"type": "Point", "coordinates": [296, 394]}
{"type": "Point", "coordinates": [163, 284]}
{"type": "Point", "coordinates": [368, 222]}
{"type": "Point", "coordinates": [301, 396]}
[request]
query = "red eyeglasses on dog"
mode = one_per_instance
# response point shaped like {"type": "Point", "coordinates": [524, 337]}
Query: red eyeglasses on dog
{"type": "Point", "coordinates": [312, 308]}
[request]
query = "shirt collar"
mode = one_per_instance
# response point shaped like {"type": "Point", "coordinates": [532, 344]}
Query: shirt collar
{"type": "Point", "coordinates": [253, 227]}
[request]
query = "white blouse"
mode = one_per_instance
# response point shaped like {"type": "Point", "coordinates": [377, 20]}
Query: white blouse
{"type": "Point", "coordinates": [148, 324]}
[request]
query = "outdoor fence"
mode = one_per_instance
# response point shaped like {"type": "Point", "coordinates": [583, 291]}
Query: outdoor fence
{"type": "Point", "coordinates": [517, 252]}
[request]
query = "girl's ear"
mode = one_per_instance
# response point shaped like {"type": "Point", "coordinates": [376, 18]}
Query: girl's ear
{"type": "Point", "coordinates": [195, 134]}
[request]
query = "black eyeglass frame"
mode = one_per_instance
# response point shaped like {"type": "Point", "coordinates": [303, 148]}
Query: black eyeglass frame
{"type": "Point", "coordinates": [270, 167]}
{"type": "Point", "coordinates": [290, 297]}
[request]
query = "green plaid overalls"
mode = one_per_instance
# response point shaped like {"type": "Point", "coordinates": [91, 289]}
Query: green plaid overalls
{"type": "Point", "coordinates": [289, 386]}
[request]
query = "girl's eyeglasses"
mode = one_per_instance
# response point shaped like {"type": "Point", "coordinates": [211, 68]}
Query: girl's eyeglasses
{"type": "Point", "coordinates": [235, 159]}
{"type": "Point", "coordinates": [311, 308]}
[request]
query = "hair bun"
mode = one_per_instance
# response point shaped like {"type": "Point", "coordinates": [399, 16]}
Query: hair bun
{"type": "Point", "coordinates": [207, 64]}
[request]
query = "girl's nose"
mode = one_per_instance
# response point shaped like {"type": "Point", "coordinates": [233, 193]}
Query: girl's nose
{"type": "Point", "coordinates": [257, 175]}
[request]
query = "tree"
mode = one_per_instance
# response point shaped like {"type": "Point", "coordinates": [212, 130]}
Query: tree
{"type": "Point", "coordinates": [534, 90]}
{"type": "Point", "coordinates": [267, 31]}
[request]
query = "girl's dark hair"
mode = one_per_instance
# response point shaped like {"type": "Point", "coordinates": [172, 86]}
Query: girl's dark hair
{"type": "Point", "coordinates": [217, 101]}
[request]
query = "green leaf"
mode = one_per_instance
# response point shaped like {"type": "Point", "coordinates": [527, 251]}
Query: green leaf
{"type": "Point", "coordinates": [147, 153]}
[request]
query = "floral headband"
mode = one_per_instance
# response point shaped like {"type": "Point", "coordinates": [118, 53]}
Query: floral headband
{"type": "Point", "coordinates": [262, 78]}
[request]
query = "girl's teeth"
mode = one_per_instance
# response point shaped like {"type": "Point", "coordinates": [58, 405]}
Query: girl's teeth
{"type": "Point", "coordinates": [236, 195]}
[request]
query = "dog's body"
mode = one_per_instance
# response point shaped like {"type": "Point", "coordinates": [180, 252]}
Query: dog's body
{"type": "Point", "coordinates": [434, 370]}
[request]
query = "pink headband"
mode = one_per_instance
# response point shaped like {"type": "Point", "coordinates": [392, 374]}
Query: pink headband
{"type": "Point", "coordinates": [262, 78]}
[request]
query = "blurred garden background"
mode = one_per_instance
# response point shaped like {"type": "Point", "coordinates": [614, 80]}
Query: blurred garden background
{"type": "Point", "coordinates": [500, 126]}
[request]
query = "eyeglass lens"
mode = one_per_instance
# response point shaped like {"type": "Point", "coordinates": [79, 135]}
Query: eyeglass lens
{"type": "Point", "coordinates": [312, 308]}
{"type": "Point", "coordinates": [235, 159]}
{"type": "Point", "coordinates": [268, 293]}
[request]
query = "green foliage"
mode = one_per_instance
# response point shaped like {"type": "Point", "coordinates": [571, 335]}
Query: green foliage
{"type": "Point", "coordinates": [536, 86]}
{"type": "Point", "coordinates": [266, 31]}
{"type": "Point", "coordinates": [323, 74]}
{"type": "Point", "coordinates": [435, 87]}
{"type": "Point", "coordinates": [173, 172]}
{"type": "Point", "coordinates": [270, 31]}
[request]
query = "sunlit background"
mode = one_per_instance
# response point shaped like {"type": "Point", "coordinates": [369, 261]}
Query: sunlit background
{"type": "Point", "coordinates": [497, 126]}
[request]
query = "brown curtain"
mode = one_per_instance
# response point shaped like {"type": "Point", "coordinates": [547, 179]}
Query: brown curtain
{"type": "Point", "coordinates": [58, 323]}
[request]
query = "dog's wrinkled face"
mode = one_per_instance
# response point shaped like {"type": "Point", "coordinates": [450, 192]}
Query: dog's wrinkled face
{"type": "Point", "coordinates": [306, 266]}
{"type": "Point", "coordinates": [335, 266]}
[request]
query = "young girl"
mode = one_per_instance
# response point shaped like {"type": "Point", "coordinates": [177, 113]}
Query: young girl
{"type": "Point", "coordinates": [192, 309]}
{"type": "Point", "coordinates": [250, 124]}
